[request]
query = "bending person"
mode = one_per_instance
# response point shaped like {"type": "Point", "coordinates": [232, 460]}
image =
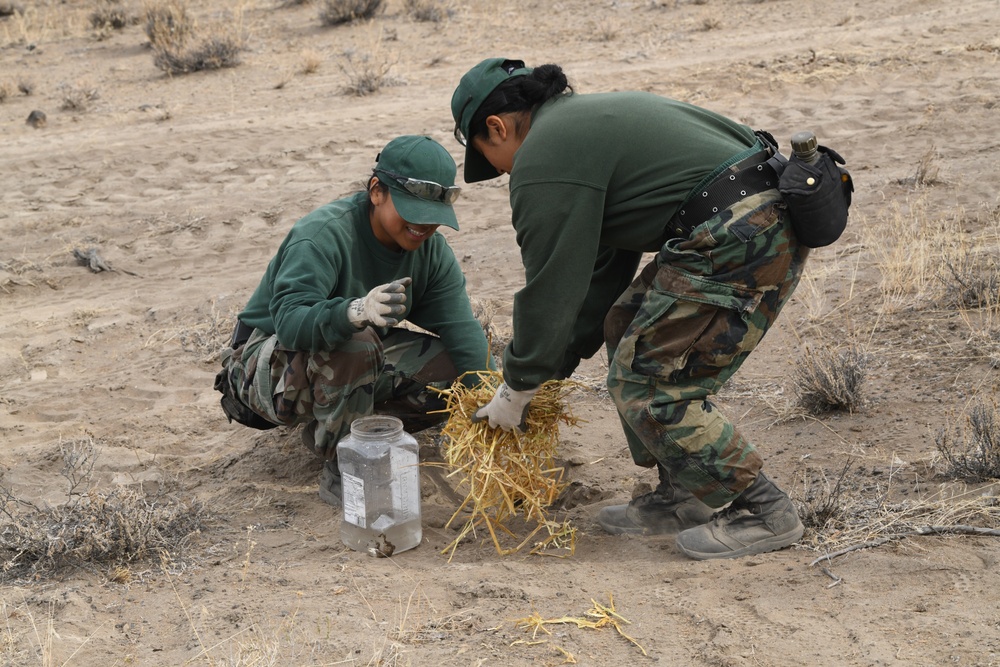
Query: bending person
{"type": "Point", "coordinates": [595, 181]}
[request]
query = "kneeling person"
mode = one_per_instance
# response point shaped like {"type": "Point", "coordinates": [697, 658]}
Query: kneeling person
{"type": "Point", "coordinates": [317, 343]}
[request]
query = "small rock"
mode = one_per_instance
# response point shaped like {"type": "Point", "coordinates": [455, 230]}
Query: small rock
{"type": "Point", "coordinates": [36, 119]}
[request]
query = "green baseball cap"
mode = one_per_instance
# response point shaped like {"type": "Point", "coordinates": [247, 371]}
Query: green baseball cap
{"type": "Point", "coordinates": [421, 174]}
{"type": "Point", "coordinates": [475, 87]}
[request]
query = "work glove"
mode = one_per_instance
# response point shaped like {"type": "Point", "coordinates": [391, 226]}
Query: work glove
{"type": "Point", "coordinates": [507, 410]}
{"type": "Point", "coordinates": [383, 307]}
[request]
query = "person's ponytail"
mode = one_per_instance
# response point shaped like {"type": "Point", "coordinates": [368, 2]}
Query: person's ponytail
{"type": "Point", "coordinates": [544, 83]}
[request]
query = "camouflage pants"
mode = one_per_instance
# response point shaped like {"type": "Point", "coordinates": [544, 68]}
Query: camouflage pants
{"type": "Point", "coordinates": [684, 327]}
{"type": "Point", "coordinates": [328, 390]}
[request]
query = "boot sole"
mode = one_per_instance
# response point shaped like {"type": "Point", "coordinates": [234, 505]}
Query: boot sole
{"type": "Point", "coordinates": [761, 547]}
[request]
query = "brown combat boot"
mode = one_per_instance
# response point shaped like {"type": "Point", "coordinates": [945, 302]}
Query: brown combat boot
{"type": "Point", "coordinates": [761, 519]}
{"type": "Point", "coordinates": [667, 509]}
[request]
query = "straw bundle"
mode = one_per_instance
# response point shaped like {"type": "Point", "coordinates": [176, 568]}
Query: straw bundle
{"type": "Point", "coordinates": [507, 474]}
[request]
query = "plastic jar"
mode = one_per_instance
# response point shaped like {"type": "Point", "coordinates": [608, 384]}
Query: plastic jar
{"type": "Point", "coordinates": [379, 467]}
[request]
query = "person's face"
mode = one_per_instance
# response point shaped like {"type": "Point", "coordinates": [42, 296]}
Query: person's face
{"type": "Point", "coordinates": [389, 227]}
{"type": "Point", "coordinates": [500, 143]}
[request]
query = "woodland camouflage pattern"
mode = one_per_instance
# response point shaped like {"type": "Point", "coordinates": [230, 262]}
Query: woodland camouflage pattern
{"type": "Point", "coordinates": [685, 326]}
{"type": "Point", "coordinates": [330, 389]}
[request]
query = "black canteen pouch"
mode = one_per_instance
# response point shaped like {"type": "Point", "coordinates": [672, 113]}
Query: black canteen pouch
{"type": "Point", "coordinates": [818, 196]}
{"type": "Point", "coordinates": [234, 408]}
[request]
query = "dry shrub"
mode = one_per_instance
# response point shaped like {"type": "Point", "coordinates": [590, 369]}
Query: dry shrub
{"type": "Point", "coordinates": [710, 23]}
{"type": "Point", "coordinates": [78, 97]}
{"type": "Point", "coordinates": [115, 527]}
{"type": "Point", "coordinates": [927, 172]}
{"type": "Point", "coordinates": [109, 14]}
{"type": "Point", "coordinates": [6, 90]}
{"type": "Point", "coordinates": [858, 513]}
{"type": "Point", "coordinates": [311, 61]}
{"type": "Point", "coordinates": [508, 477]}
{"type": "Point", "coordinates": [26, 87]}
{"type": "Point", "coordinates": [832, 379]}
{"type": "Point", "coordinates": [972, 280]}
{"type": "Point", "coordinates": [168, 24]}
{"type": "Point", "coordinates": [216, 52]}
{"type": "Point", "coordinates": [606, 30]}
{"type": "Point", "coordinates": [430, 11]}
{"type": "Point", "coordinates": [337, 12]}
{"type": "Point", "coordinates": [971, 451]}
{"type": "Point", "coordinates": [823, 503]}
{"type": "Point", "coordinates": [367, 73]}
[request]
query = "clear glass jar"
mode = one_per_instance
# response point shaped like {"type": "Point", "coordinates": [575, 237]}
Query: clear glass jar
{"type": "Point", "coordinates": [379, 468]}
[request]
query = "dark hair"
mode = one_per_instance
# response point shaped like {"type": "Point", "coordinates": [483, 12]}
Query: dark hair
{"type": "Point", "coordinates": [378, 186]}
{"type": "Point", "coordinates": [520, 93]}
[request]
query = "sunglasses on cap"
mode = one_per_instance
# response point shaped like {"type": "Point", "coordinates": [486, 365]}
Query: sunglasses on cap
{"type": "Point", "coordinates": [427, 190]}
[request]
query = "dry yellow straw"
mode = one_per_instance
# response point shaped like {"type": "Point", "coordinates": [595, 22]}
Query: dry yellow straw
{"type": "Point", "coordinates": [507, 474]}
{"type": "Point", "coordinates": [597, 617]}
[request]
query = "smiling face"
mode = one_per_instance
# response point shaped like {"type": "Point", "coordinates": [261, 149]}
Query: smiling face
{"type": "Point", "coordinates": [389, 227]}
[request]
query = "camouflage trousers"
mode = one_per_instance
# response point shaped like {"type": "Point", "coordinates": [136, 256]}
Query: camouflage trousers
{"type": "Point", "coordinates": [684, 327]}
{"type": "Point", "coordinates": [390, 374]}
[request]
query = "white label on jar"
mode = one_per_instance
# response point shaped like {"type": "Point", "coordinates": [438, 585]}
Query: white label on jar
{"type": "Point", "coordinates": [405, 483]}
{"type": "Point", "coordinates": [353, 492]}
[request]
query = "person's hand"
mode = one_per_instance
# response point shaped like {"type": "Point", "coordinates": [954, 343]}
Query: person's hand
{"type": "Point", "coordinates": [508, 410]}
{"type": "Point", "coordinates": [383, 307]}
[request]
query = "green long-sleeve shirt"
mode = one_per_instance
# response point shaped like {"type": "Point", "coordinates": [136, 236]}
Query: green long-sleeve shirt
{"type": "Point", "coordinates": [331, 256]}
{"type": "Point", "coordinates": [592, 187]}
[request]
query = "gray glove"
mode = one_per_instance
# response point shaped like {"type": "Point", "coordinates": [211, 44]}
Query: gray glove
{"type": "Point", "coordinates": [383, 307]}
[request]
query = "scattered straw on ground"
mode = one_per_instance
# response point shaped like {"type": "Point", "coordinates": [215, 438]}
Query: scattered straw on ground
{"type": "Point", "coordinates": [508, 476]}
{"type": "Point", "coordinates": [599, 616]}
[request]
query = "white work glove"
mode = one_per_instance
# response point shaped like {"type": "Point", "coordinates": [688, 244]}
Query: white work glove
{"type": "Point", "coordinates": [508, 410]}
{"type": "Point", "coordinates": [383, 307]}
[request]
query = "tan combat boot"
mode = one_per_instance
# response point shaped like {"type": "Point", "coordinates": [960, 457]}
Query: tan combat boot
{"type": "Point", "coordinates": [667, 509]}
{"type": "Point", "coordinates": [761, 519]}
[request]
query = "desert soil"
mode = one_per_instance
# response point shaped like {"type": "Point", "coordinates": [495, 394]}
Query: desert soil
{"type": "Point", "coordinates": [185, 185]}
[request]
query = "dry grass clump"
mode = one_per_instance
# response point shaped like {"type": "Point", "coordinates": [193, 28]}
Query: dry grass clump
{"type": "Point", "coordinates": [430, 11]}
{"type": "Point", "coordinates": [171, 32]}
{"type": "Point", "coordinates": [824, 502]}
{"type": "Point", "coordinates": [832, 379]}
{"type": "Point", "coordinates": [851, 514]}
{"type": "Point", "coordinates": [6, 90]}
{"type": "Point", "coordinates": [168, 24]}
{"type": "Point", "coordinates": [78, 97]}
{"type": "Point", "coordinates": [971, 451]}
{"type": "Point", "coordinates": [508, 476]}
{"type": "Point", "coordinates": [110, 14]}
{"type": "Point", "coordinates": [973, 279]}
{"type": "Point", "coordinates": [927, 172]}
{"type": "Point", "coordinates": [216, 52]}
{"type": "Point", "coordinates": [367, 73]}
{"type": "Point", "coordinates": [115, 527]}
{"type": "Point", "coordinates": [870, 522]}
{"type": "Point", "coordinates": [311, 61]}
{"type": "Point", "coordinates": [338, 12]}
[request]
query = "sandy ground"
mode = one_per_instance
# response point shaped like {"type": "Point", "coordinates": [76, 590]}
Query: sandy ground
{"type": "Point", "coordinates": [185, 185]}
